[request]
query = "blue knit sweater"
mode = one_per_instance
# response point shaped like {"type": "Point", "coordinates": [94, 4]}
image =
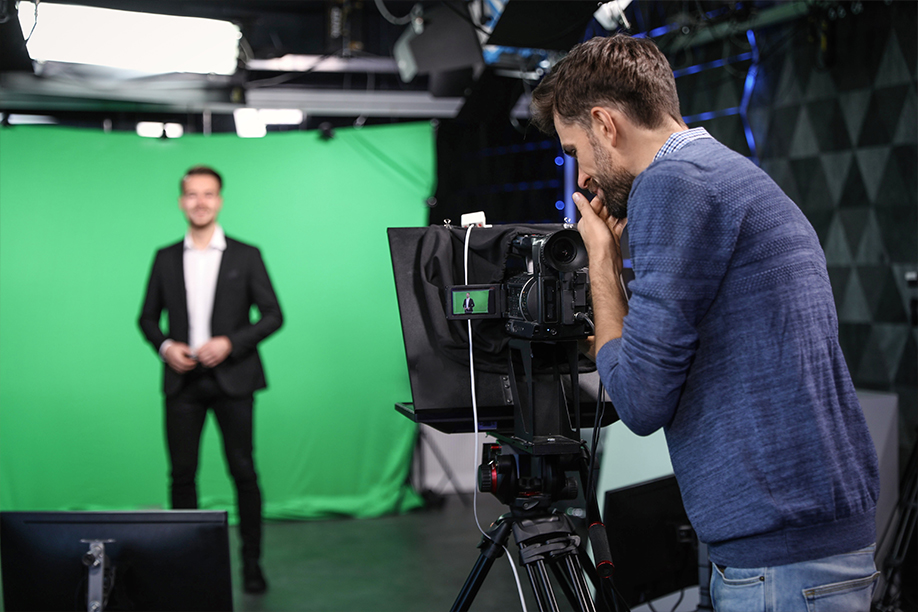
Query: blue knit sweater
{"type": "Point", "coordinates": [731, 346]}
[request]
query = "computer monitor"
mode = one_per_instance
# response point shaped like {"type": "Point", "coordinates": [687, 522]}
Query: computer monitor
{"type": "Point", "coordinates": [160, 560]}
{"type": "Point", "coordinates": [653, 546]}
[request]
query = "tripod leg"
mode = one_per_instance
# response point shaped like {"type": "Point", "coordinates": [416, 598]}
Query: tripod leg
{"type": "Point", "coordinates": [492, 547]}
{"type": "Point", "coordinates": [575, 572]}
{"type": "Point", "coordinates": [551, 539]}
{"type": "Point", "coordinates": [541, 586]}
{"type": "Point", "coordinates": [569, 573]}
{"type": "Point", "coordinates": [564, 581]}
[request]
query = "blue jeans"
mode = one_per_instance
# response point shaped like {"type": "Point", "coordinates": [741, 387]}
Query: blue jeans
{"type": "Point", "coordinates": [840, 583]}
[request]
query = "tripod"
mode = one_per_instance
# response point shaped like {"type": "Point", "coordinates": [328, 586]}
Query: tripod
{"type": "Point", "coordinates": [547, 540]}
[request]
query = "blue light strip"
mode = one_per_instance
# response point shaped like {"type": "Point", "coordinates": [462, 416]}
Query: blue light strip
{"type": "Point", "coordinates": [570, 185]}
{"type": "Point", "coordinates": [496, 11]}
{"type": "Point", "coordinates": [669, 28]}
{"type": "Point", "coordinates": [714, 64]}
{"type": "Point", "coordinates": [656, 31]}
{"type": "Point", "coordinates": [726, 112]}
{"type": "Point", "coordinates": [748, 88]}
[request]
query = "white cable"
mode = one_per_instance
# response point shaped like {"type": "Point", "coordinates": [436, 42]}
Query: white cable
{"type": "Point", "coordinates": [475, 456]}
{"type": "Point", "coordinates": [392, 18]}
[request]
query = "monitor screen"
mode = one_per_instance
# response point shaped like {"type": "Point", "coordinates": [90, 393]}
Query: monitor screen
{"type": "Point", "coordinates": [158, 560]}
{"type": "Point", "coordinates": [473, 302]}
{"type": "Point", "coordinates": [653, 545]}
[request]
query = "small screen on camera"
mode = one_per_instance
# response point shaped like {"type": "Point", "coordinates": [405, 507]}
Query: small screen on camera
{"type": "Point", "coordinates": [473, 302]}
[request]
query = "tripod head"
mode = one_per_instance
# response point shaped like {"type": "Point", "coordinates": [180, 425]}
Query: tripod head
{"type": "Point", "coordinates": [524, 481]}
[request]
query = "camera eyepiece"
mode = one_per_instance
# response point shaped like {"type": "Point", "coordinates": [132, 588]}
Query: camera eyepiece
{"type": "Point", "coordinates": [564, 251]}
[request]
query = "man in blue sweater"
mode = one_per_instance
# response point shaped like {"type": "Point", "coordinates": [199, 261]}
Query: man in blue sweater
{"type": "Point", "coordinates": [729, 341]}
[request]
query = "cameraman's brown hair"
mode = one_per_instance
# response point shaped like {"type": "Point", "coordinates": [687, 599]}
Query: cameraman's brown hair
{"type": "Point", "coordinates": [629, 74]}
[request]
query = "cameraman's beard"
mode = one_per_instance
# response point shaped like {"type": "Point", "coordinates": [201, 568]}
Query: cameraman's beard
{"type": "Point", "coordinates": [613, 188]}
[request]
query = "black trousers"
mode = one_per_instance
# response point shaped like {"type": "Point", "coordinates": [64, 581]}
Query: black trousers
{"type": "Point", "coordinates": [185, 416]}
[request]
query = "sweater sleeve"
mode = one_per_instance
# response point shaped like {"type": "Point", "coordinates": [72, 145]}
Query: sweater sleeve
{"type": "Point", "coordinates": [681, 242]}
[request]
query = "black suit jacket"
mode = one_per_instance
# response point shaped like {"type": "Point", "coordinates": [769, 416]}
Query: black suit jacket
{"type": "Point", "coordinates": [241, 282]}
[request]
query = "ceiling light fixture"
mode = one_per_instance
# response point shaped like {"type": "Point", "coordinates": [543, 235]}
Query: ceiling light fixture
{"type": "Point", "coordinates": [253, 122]}
{"type": "Point", "coordinates": [281, 116]}
{"type": "Point", "coordinates": [248, 123]}
{"type": "Point", "coordinates": [155, 129]}
{"type": "Point", "coordinates": [143, 42]}
{"type": "Point", "coordinates": [14, 119]}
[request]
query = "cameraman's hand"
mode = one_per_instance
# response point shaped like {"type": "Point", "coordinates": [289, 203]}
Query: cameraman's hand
{"type": "Point", "coordinates": [602, 236]}
{"type": "Point", "coordinates": [600, 231]}
{"type": "Point", "coordinates": [587, 346]}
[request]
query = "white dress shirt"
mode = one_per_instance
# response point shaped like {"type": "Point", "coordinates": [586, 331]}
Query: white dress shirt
{"type": "Point", "coordinates": [201, 267]}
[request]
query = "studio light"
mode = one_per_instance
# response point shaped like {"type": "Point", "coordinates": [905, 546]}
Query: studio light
{"type": "Point", "coordinates": [281, 116]}
{"type": "Point", "coordinates": [248, 123]}
{"type": "Point", "coordinates": [155, 129]}
{"type": "Point", "coordinates": [14, 119]}
{"type": "Point", "coordinates": [173, 130]}
{"type": "Point", "coordinates": [142, 42]}
{"type": "Point", "coordinates": [150, 129]}
{"type": "Point", "coordinates": [253, 122]}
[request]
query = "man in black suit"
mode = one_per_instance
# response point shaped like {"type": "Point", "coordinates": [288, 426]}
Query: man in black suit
{"type": "Point", "coordinates": [468, 304]}
{"type": "Point", "coordinates": [208, 283]}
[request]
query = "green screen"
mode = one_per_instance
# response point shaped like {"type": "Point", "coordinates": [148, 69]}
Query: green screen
{"type": "Point", "coordinates": [81, 215]}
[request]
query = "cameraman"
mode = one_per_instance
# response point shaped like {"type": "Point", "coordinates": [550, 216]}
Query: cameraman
{"type": "Point", "coordinates": [729, 341]}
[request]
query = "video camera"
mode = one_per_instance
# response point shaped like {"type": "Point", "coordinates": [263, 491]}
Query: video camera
{"type": "Point", "coordinates": [547, 302]}
{"type": "Point", "coordinates": [516, 329]}
{"type": "Point", "coordinates": [524, 289]}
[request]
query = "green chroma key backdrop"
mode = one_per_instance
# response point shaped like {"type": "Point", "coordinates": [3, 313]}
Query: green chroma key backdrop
{"type": "Point", "coordinates": [81, 215]}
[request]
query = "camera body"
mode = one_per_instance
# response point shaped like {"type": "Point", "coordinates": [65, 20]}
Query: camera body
{"type": "Point", "coordinates": [548, 301]}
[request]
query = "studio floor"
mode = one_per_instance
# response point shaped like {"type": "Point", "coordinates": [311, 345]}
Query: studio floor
{"type": "Point", "coordinates": [417, 561]}
{"type": "Point", "coordinates": [412, 562]}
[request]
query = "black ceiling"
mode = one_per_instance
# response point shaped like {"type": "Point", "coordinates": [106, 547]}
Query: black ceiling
{"type": "Point", "coordinates": [363, 84]}
{"type": "Point", "coordinates": [354, 30]}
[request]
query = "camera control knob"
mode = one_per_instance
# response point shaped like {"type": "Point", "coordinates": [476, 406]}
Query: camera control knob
{"type": "Point", "coordinates": [487, 477]}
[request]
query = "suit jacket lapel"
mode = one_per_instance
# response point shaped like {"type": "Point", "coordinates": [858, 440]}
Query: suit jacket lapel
{"type": "Point", "coordinates": [227, 262]}
{"type": "Point", "coordinates": [178, 273]}
{"type": "Point", "coordinates": [176, 300]}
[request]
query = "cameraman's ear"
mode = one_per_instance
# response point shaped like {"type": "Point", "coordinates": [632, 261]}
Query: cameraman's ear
{"type": "Point", "coordinates": [605, 123]}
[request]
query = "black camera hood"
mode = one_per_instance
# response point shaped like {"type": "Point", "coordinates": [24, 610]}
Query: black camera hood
{"type": "Point", "coordinates": [425, 260]}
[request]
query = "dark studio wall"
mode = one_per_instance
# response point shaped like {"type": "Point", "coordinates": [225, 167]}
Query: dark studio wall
{"type": "Point", "coordinates": [834, 115]}
{"type": "Point", "coordinates": [507, 171]}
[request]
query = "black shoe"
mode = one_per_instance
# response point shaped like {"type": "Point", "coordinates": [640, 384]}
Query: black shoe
{"type": "Point", "coordinates": [253, 580]}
